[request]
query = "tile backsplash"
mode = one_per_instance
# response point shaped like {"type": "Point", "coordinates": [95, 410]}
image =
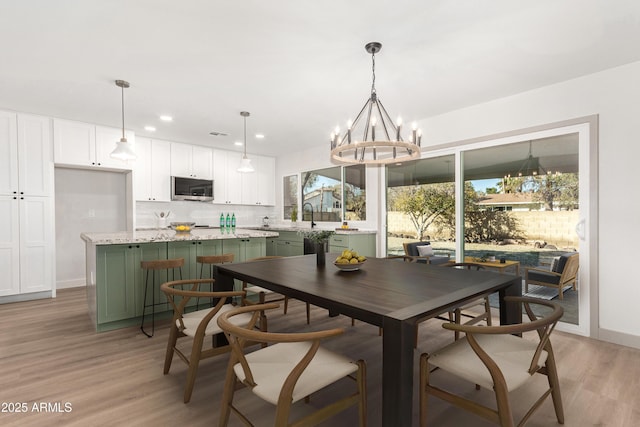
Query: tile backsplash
{"type": "Point", "coordinates": [201, 213]}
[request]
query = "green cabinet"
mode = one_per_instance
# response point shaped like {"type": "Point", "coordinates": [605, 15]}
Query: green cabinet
{"type": "Point", "coordinates": [116, 299]}
{"type": "Point", "coordinates": [119, 279]}
{"type": "Point", "coordinates": [245, 248]}
{"type": "Point", "coordinates": [288, 243]}
{"type": "Point", "coordinates": [190, 250]}
{"type": "Point", "coordinates": [364, 244]}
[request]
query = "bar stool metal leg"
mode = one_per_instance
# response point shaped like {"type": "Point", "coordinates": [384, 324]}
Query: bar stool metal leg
{"type": "Point", "coordinates": [150, 268]}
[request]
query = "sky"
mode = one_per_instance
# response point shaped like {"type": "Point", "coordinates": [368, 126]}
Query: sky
{"type": "Point", "coordinates": [483, 184]}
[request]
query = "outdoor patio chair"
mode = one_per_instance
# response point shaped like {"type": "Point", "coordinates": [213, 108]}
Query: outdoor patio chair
{"type": "Point", "coordinates": [563, 273]}
{"type": "Point", "coordinates": [423, 252]}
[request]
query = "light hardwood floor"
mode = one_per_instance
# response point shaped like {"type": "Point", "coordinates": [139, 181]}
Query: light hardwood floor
{"type": "Point", "coordinates": [50, 354]}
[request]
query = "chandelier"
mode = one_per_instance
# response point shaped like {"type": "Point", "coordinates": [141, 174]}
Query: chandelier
{"type": "Point", "coordinates": [381, 141]}
{"type": "Point", "coordinates": [532, 167]}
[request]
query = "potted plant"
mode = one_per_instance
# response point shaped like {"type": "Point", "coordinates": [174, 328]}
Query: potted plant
{"type": "Point", "coordinates": [319, 238]}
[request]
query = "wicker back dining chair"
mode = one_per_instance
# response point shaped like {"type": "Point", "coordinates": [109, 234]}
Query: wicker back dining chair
{"type": "Point", "coordinates": [290, 369]}
{"type": "Point", "coordinates": [498, 359]}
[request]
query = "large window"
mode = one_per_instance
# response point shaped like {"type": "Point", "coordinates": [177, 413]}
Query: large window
{"type": "Point", "coordinates": [334, 194]}
{"type": "Point", "coordinates": [421, 204]}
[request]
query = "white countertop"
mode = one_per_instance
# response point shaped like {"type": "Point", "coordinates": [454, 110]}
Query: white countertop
{"type": "Point", "coordinates": [167, 235]}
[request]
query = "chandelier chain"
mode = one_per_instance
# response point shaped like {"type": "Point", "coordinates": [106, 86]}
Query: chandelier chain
{"type": "Point", "coordinates": [373, 73]}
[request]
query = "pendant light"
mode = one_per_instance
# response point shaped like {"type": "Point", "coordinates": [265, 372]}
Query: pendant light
{"type": "Point", "coordinates": [245, 163]}
{"type": "Point", "coordinates": [124, 150]}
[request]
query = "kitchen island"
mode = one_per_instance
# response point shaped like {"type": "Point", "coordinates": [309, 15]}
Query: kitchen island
{"type": "Point", "coordinates": [115, 282]}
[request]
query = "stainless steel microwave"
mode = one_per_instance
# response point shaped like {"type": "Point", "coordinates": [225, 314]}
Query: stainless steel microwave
{"type": "Point", "coordinates": [197, 190]}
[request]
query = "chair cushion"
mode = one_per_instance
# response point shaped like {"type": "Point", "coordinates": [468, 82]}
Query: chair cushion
{"type": "Point", "coordinates": [562, 261]}
{"type": "Point", "coordinates": [257, 290]}
{"type": "Point", "coordinates": [192, 320]}
{"type": "Point", "coordinates": [412, 248]}
{"type": "Point", "coordinates": [438, 259]}
{"type": "Point", "coordinates": [425, 250]}
{"type": "Point", "coordinates": [271, 366]}
{"type": "Point", "coordinates": [512, 355]}
{"type": "Point", "coordinates": [541, 276]}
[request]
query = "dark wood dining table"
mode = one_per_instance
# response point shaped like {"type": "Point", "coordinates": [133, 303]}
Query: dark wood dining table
{"type": "Point", "coordinates": [391, 294]}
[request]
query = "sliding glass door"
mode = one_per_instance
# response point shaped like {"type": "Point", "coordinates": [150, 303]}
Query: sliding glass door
{"type": "Point", "coordinates": [527, 197]}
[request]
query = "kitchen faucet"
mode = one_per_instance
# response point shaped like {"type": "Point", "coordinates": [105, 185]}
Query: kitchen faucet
{"type": "Point", "coordinates": [313, 224]}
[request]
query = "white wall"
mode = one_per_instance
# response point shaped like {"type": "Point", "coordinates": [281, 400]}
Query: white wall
{"type": "Point", "coordinates": [86, 201]}
{"type": "Point", "coordinates": [614, 96]}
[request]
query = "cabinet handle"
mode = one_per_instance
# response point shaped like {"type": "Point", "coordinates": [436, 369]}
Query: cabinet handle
{"type": "Point", "coordinates": [15, 192]}
{"type": "Point", "coordinates": [99, 164]}
{"type": "Point", "coordinates": [15, 198]}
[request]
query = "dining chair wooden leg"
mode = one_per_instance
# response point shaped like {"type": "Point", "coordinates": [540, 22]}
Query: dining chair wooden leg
{"type": "Point", "coordinates": [194, 361]}
{"type": "Point", "coordinates": [173, 338]}
{"type": "Point", "coordinates": [424, 379]}
{"type": "Point", "coordinates": [487, 309]}
{"type": "Point", "coordinates": [227, 393]}
{"type": "Point", "coordinates": [554, 384]}
{"type": "Point", "coordinates": [286, 304]}
{"type": "Point", "coordinates": [362, 389]}
{"type": "Point", "coordinates": [502, 402]}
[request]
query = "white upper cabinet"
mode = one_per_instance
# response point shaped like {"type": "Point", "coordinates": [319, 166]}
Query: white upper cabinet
{"type": "Point", "coordinates": [87, 145]}
{"type": "Point", "coordinates": [25, 155]}
{"type": "Point", "coordinates": [233, 187]}
{"type": "Point", "coordinates": [266, 173]}
{"type": "Point", "coordinates": [106, 139]}
{"type": "Point", "coordinates": [152, 179]}
{"type": "Point", "coordinates": [227, 184]}
{"type": "Point", "coordinates": [258, 188]}
{"type": "Point", "coordinates": [191, 161]}
{"type": "Point", "coordinates": [8, 153]}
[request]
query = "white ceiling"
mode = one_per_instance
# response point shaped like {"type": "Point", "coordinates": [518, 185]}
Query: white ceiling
{"type": "Point", "coordinates": [299, 66]}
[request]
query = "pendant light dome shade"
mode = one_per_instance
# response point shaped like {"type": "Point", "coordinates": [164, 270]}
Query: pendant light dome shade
{"type": "Point", "coordinates": [124, 150]}
{"type": "Point", "coordinates": [245, 163]}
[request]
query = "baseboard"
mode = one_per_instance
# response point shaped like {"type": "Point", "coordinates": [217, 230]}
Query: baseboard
{"type": "Point", "coordinates": [26, 297]}
{"type": "Point", "coordinates": [619, 338]}
{"type": "Point", "coordinates": [73, 283]}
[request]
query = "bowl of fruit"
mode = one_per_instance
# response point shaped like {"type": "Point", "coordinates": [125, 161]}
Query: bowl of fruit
{"type": "Point", "coordinates": [182, 227]}
{"type": "Point", "coordinates": [349, 261]}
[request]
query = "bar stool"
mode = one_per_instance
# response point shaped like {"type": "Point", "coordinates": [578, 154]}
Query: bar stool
{"type": "Point", "coordinates": [150, 268]}
{"type": "Point", "coordinates": [211, 261]}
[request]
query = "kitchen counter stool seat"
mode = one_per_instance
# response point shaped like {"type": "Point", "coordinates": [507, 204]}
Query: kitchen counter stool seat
{"type": "Point", "coordinates": [150, 268]}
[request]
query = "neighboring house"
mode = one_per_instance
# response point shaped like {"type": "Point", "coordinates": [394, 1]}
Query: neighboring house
{"type": "Point", "coordinates": [509, 202]}
{"type": "Point", "coordinates": [326, 202]}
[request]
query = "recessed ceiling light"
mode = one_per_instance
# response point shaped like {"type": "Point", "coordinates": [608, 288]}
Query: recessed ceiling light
{"type": "Point", "coordinates": [259, 135]}
{"type": "Point", "coordinates": [238, 143]}
{"type": "Point", "coordinates": [149, 128]}
{"type": "Point", "coordinates": [166, 118]}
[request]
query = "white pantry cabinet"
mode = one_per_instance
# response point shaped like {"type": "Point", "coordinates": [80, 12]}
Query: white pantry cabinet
{"type": "Point", "coordinates": [87, 145]}
{"type": "Point", "coordinates": [151, 173]}
{"type": "Point", "coordinates": [26, 205]}
{"type": "Point", "coordinates": [191, 161]}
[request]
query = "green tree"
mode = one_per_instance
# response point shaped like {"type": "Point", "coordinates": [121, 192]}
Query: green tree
{"type": "Point", "coordinates": [510, 184]}
{"type": "Point", "coordinates": [355, 202]}
{"type": "Point", "coordinates": [559, 190]}
{"type": "Point", "coordinates": [424, 204]}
